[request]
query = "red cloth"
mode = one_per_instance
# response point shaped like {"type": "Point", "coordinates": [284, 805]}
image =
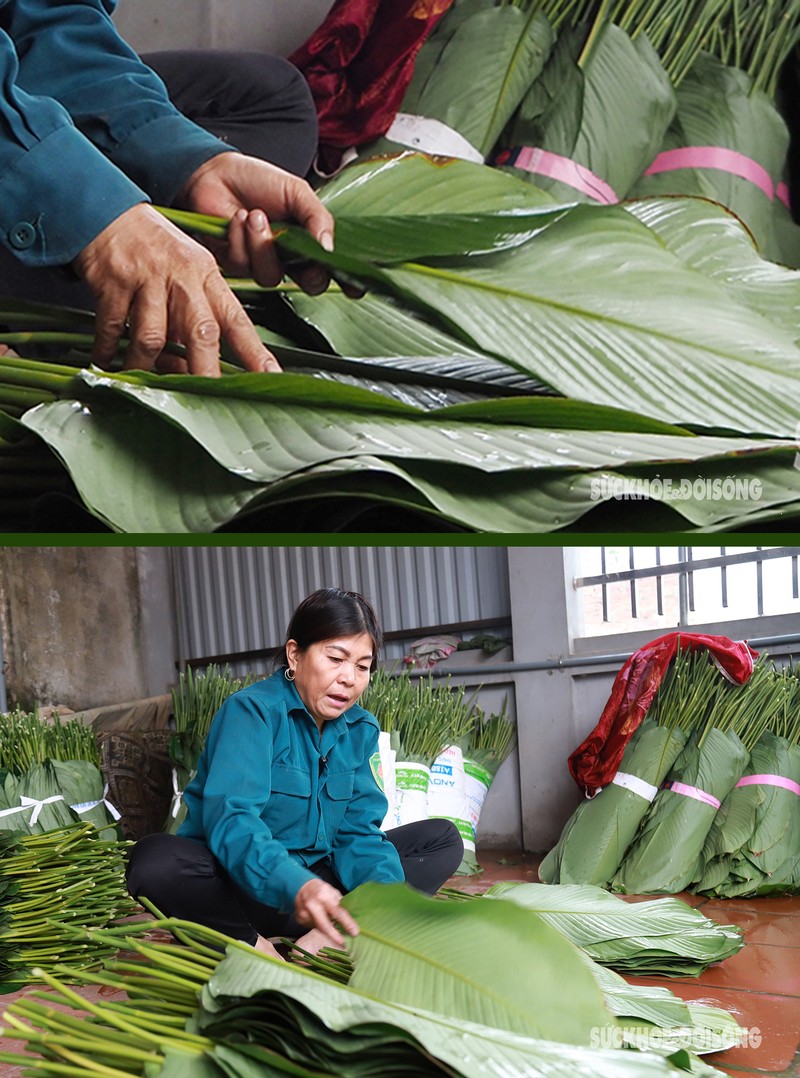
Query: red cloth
{"type": "Point", "coordinates": [595, 762]}
{"type": "Point", "coordinates": [359, 63]}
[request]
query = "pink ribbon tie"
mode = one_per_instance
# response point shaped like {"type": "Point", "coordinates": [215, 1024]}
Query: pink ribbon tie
{"type": "Point", "coordinates": [718, 157]}
{"type": "Point", "coordinates": [770, 780]}
{"type": "Point", "coordinates": [556, 167]}
{"type": "Point", "coordinates": [692, 791]}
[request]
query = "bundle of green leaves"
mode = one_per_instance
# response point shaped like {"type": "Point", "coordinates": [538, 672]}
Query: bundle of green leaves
{"type": "Point", "coordinates": [597, 836]}
{"type": "Point", "coordinates": [469, 77]}
{"type": "Point", "coordinates": [728, 141]}
{"type": "Point", "coordinates": [422, 716]}
{"type": "Point", "coordinates": [25, 739]}
{"type": "Point", "coordinates": [520, 998]}
{"type": "Point", "coordinates": [581, 132]}
{"type": "Point", "coordinates": [665, 855]}
{"type": "Point", "coordinates": [753, 846]}
{"type": "Point", "coordinates": [50, 774]}
{"type": "Point", "coordinates": [663, 936]}
{"type": "Point", "coordinates": [565, 352]}
{"type": "Point", "coordinates": [491, 741]}
{"type": "Point", "coordinates": [436, 726]}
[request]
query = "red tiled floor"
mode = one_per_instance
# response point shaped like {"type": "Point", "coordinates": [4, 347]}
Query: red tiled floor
{"type": "Point", "coordinates": [767, 970]}
{"type": "Point", "coordinates": [497, 867]}
{"type": "Point", "coordinates": [760, 985]}
{"type": "Point", "coordinates": [772, 1021]}
{"type": "Point", "coordinates": [760, 926]}
{"type": "Point", "coordinates": [756, 968]}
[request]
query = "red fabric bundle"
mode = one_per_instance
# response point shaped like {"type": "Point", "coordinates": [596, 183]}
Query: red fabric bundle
{"type": "Point", "coordinates": [359, 63]}
{"type": "Point", "coordinates": [596, 761]}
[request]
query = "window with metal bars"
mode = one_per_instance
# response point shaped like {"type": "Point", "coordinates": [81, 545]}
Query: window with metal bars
{"type": "Point", "coordinates": [625, 589]}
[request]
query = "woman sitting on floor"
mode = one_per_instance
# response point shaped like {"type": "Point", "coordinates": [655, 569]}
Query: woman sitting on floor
{"type": "Point", "coordinates": [284, 814]}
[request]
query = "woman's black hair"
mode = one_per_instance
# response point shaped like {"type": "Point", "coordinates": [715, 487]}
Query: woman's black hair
{"type": "Point", "coordinates": [328, 613]}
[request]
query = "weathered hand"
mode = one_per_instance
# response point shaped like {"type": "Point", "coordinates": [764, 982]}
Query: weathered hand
{"type": "Point", "coordinates": [318, 905]}
{"type": "Point", "coordinates": [148, 276]}
{"type": "Point", "coordinates": [249, 193]}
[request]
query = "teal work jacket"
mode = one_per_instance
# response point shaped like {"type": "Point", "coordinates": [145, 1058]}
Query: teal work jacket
{"type": "Point", "coordinates": [272, 795]}
{"type": "Point", "coordinates": [86, 129]}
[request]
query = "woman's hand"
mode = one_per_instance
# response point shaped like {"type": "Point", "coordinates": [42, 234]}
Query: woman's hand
{"type": "Point", "coordinates": [318, 905]}
{"type": "Point", "coordinates": [149, 276]}
{"type": "Point", "coordinates": [248, 192]}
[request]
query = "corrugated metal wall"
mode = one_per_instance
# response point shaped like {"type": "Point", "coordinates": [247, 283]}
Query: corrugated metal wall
{"type": "Point", "coordinates": [237, 599]}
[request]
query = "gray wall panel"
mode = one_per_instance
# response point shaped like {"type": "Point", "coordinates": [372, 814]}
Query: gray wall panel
{"type": "Point", "coordinates": [264, 25]}
{"type": "Point", "coordinates": [234, 599]}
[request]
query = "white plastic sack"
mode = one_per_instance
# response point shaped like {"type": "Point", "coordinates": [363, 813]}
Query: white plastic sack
{"type": "Point", "coordinates": [447, 793]}
{"type": "Point", "coordinates": [383, 764]}
{"type": "Point", "coordinates": [411, 792]}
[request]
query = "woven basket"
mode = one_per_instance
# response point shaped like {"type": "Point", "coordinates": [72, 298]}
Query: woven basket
{"type": "Point", "coordinates": [138, 769]}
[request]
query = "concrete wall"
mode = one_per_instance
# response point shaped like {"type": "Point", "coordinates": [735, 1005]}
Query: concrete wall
{"type": "Point", "coordinates": [546, 726]}
{"type": "Point", "coordinates": [265, 25]}
{"type": "Point", "coordinates": [85, 626]}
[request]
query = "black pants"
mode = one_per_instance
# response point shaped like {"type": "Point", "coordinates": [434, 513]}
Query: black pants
{"type": "Point", "coordinates": [183, 879]}
{"type": "Point", "coordinates": [260, 104]}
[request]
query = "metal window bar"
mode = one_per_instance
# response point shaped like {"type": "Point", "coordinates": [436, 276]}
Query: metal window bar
{"type": "Point", "coordinates": [631, 563]}
{"type": "Point", "coordinates": [686, 588]}
{"type": "Point", "coordinates": [604, 589]}
{"type": "Point", "coordinates": [690, 579]}
{"type": "Point", "coordinates": [685, 568]}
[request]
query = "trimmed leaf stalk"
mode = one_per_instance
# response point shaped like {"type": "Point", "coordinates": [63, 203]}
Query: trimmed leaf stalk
{"type": "Point", "coordinates": [37, 908]}
{"type": "Point", "coordinates": [195, 701]}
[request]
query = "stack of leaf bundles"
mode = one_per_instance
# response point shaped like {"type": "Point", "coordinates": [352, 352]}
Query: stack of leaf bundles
{"type": "Point", "coordinates": [660, 937]}
{"type": "Point", "coordinates": [50, 774]}
{"type": "Point", "coordinates": [596, 837]}
{"type": "Point", "coordinates": [667, 851]}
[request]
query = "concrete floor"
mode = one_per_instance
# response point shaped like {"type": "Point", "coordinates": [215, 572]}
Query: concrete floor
{"type": "Point", "coordinates": [760, 985]}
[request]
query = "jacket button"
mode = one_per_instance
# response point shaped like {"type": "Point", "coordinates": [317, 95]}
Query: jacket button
{"type": "Point", "coordinates": [22, 235]}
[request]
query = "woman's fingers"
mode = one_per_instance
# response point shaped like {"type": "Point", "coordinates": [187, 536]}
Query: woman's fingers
{"type": "Point", "coordinates": [158, 285]}
{"type": "Point", "coordinates": [148, 330]}
{"type": "Point", "coordinates": [250, 193]}
{"type": "Point", "coordinates": [319, 905]}
{"type": "Point", "coordinates": [346, 921]}
{"type": "Point", "coordinates": [320, 918]}
{"type": "Point", "coordinates": [238, 330]}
